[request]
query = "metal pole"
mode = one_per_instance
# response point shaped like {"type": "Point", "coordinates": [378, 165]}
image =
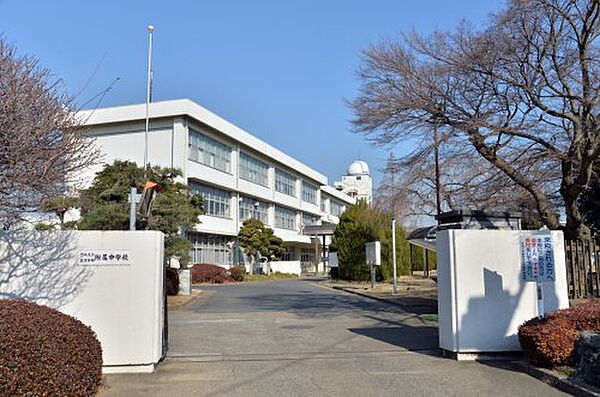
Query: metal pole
{"type": "Point", "coordinates": [394, 255]}
{"type": "Point", "coordinates": [372, 276]}
{"type": "Point", "coordinates": [132, 199]}
{"type": "Point", "coordinates": [148, 97]}
{"type": "Point", "coordinates": [438, 201]}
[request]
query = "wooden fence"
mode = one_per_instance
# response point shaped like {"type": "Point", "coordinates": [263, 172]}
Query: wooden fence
{"type": "Point", "coordinates": [583, 268]}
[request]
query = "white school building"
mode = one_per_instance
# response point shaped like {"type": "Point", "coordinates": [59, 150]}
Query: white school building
{"type": "Point", "coordinates": [239, 175]}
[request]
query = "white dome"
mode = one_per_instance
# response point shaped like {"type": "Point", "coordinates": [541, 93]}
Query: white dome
{"type": "Point", "coordinates": [358, 167]}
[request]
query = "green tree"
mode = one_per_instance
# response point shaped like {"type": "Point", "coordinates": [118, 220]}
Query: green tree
{"type": "Point", "coordinates": [257, 239]}
{"type": "Point", "coordinates": [104, 205]}
{"type": "Point", "coordinates": [361, 224]}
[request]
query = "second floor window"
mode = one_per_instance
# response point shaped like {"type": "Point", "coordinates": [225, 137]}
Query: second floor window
{"type": "Point", "coordinates": [253, 170]}
{"type": "Point", "coordinates": [252, 208]}
{"type": "Point", "coordinates": [336, 208]}
{"type": "Point", "coordinates": [285, 218]}
{"type": "Point", "coordinates": [216, 202]}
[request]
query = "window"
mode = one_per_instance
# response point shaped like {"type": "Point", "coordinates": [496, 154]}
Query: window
{"type": "Point", "coordinates": [289, 254]}
{"type": "Point", "coordinates": [285, 183]}
{"type": "Point", "coordinates": [252, 208]}
{"type": "Point", "coordinates": [285, 218]}
{"type": "Point", "coordinates": [309, 219]}
{"type": "Point", "coordinates": [208, 151]}
{"type": "Point", "coordinates": [336, 208]}
{"type": "Point", "coordinates": [307, 255]}
{"type": "Point", "coordinates": [323, 209]}
{"type": "Point", "coordinates": [253, 170]}
{"type": "Point", "coordinates": [309, 193]}
{"type": "Point", "coordinates": [217, 202]}
{"type": "Point", "coordinates": [211, 249]}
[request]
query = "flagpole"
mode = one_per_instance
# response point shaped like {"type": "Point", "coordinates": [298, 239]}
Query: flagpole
{"type": "Point", "coordinates": [148, 97]}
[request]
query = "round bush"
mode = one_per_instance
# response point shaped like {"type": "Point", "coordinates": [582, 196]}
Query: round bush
{"type": "Point", "coordinates": [44, 352]}
{"type": "Point", "coordinates": [207, 273]}
{"type": "Point", "coordinates": [549, 341]}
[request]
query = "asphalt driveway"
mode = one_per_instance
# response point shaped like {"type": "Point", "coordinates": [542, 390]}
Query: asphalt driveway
{"type": "Point", "coordinates": [296, 338]}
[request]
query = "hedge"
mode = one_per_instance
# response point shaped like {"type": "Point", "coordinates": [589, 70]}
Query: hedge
{"type": "Point", "coordinates": [550, 341]}
{"type": "Point", "coordinates": [44, 352]}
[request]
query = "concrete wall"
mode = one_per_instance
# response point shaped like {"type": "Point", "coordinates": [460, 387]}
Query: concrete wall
{"type": "Point", "coordinates": [481, 298]}
{"type": "Point", "coordinates": [289, 267]}
{"type": "Point", "coordinates": [123, 303]}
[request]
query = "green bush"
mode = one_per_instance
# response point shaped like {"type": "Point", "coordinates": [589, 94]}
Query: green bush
{"type": "Point", "coordinates": [361, 224]}
{"type": "Point", "coordinates": [238, 273]}
{"type": "Point", "coordinates": [44, 352]}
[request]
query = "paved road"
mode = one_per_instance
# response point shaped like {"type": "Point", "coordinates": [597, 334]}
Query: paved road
{"type": "Point", "coordinates": [296, 338]}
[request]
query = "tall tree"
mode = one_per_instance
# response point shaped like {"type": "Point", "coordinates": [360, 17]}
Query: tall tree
{"type": "Point", "coordinates": [361, 224]}
{"type": "Point", "coordinates": [41, 147]}
{"type": "Point", "coordinates": [104, 205]}
{"type": "Point", "coordinates": [521, 94]}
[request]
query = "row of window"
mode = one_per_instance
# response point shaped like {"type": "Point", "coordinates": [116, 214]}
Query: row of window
{"type": "Point", "coordinates": [215, 154]}
{"type": "Point", "coordinates": [217, 203]}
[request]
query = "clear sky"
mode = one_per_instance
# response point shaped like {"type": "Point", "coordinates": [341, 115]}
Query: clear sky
{"type": "Point", "coordinates": [278, 69]}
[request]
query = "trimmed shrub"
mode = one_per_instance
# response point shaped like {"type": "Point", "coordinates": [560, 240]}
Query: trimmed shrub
{"type": "Point", "coordinates": [44, 352]}
{"type": "Point", "coordinates": [237, 273]}
{"type": "Point", "coordinates": [206, 273]}
{"type": "Point", "coordinates": [172, 281]}
{"type": "Point", "coordinates": [550, 341]}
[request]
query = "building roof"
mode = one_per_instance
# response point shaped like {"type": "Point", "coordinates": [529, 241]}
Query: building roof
{"type": "Point", "coordinates": [189, 108]}
{"type": "Point", "coordinates": [338, 195]}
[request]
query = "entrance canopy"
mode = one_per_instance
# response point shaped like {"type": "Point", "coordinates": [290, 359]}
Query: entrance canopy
{"type": "Point", "coordinates": [326, 229]}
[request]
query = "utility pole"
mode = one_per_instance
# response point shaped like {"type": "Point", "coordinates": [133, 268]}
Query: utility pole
{"type": "Point", "coordinates": [148, 98]}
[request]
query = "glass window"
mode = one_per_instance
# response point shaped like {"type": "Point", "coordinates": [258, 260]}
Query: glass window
{"type": "Point", "coordinates": [253, 170]}
{"type": "Point", "coordinates": [285, 218]}
{"type": "Point", "coordinates": [252, 208]}
{"type": "Point", "coordinates": [336, 208]}
{"type": "Point", "coordinates": [212, 249]}
{"type": "Point", "coordinates": [285, 183]}
{"type": "Point", "coordinates": [217, 202]}
{"type": "Point", "coordinates": [323, 205]}
{"type": "Point", "coordinates": [208, 151]}
{"type": "Point", "coordinates": [309, 219]}
{"type": "Point", "coordinates": [309, 192]}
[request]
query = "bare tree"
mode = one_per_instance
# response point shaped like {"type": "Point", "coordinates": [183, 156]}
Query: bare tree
{"type": "Point", "coordinates": [523, 94]}
{"type": "Point", "coordinates": [42, 147]}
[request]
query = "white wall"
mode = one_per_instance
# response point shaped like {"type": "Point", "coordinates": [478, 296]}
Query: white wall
{"type": "Point", "coordinates": [123, 303]}
{"type": "Point", "coordinates": [289, 267]}
{"type": "Point", "coordinates": [481, 298]}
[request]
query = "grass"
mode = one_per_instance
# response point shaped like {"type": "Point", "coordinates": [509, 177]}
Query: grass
{"type": "Point", "coordinates": [272, 276]}
{"type": "Point", "coordinates": [565, 370]}
{"type": "Point", "coordinates": [430, 317]}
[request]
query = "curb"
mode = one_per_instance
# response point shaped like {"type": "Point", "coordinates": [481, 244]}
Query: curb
{"type": "Point", "coordinates": [374, 297]}
{"type": "Point", "coordinates": [566, 384]}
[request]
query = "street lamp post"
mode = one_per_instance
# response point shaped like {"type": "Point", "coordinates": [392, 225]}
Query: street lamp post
{"type": "Point", "coordinates": [148, 97]}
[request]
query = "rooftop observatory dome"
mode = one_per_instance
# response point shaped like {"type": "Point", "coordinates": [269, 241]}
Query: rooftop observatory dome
{"type": "Point", "coordinates": [358, 167]}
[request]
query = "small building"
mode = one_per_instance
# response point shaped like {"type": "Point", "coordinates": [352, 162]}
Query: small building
{"type": "Point", "coordinates": [358, 182]}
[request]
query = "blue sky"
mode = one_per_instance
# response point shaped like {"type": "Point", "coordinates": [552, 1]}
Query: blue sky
{"type": "Point", "coordinates": [279, 69]}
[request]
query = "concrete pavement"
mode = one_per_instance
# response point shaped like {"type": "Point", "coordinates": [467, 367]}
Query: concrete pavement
{"type": "Point", "coordinates": [295, 338]}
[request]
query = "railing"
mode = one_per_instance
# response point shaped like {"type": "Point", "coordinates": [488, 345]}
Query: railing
{"type": "Point", "coordinates": [583, 268]}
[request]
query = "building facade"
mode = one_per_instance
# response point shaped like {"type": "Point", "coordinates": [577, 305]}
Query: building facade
{"type": "Point", "coordinates": [238, 175]}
